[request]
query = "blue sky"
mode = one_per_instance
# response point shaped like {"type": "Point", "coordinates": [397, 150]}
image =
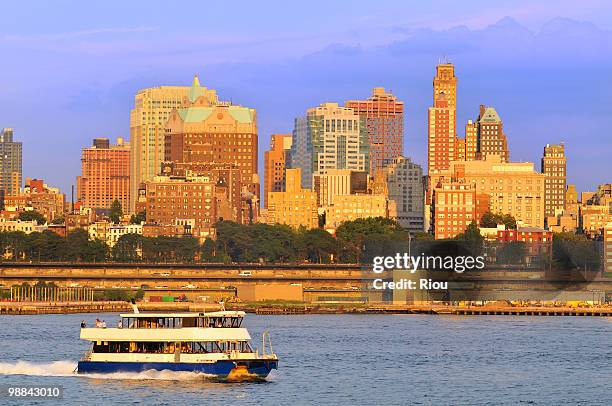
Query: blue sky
{"type": "Point", "coordinates": [70, 69]}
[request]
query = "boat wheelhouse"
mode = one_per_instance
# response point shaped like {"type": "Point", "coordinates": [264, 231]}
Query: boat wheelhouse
{"type": "Point", "coordinates": [213, 343]}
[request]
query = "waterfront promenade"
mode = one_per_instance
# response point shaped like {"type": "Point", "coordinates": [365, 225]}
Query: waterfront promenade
{"type": "Point", "coordinates": [280, 308]}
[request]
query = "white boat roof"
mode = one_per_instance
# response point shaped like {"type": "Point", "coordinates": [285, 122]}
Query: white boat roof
{"type": "Point", "coordinates": [164, 334]}
{"type": "Point", "coordinates": [226, 313]}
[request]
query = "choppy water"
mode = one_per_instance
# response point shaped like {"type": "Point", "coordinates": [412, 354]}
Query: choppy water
{"type": "Point", "coordinates": [346, 359]}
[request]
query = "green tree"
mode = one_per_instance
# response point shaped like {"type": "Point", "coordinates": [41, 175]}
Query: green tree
{"type": "Point", "coordinates": [128, 248]}
{"type": "Point", "coordinates": [46, 246]}
{"type": "Point", "coordinates": [187, 248]}
{"type": "Point", "coordinates": [364, 238]}
{"type": "Point", "coordinates": [58, 220]}
{"type": "Point", "coordinates": [575, 251]}
{"type": "Point", "coordinates": [14, 245]}
{"type": "Point", "coordinates": [208, 250]}
{"type": "Point", "coordinates": [509, 221]}
{"type": "Point", "coordinates": [512, 252]}
{"type": "Point", "coordinates": [319, 246]}
{"type": "Point", "coordinates": [115, 212]}
{"type": "Point", "coordinates": [80, 248]}
{"type": "Point", "coordinates": [96, 251]}
{"type": "Point", "coordinates": [473, 238]}
{"type": "Point", "coordinates": [139, 217]}
{"type": "Point", "coordinates": [32, 215]}
{"type": "Point", "coordinates": [490, 220]}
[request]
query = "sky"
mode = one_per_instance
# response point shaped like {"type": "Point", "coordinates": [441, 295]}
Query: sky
{"type": "Point", "coordinates": [70, 69]}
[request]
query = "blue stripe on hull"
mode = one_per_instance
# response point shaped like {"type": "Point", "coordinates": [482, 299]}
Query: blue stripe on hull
{"type": "Point", "coordinates": [220, 368]}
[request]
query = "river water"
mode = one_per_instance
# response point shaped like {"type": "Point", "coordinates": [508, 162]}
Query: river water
{"type": "Point", "coordinates": [345, 359]}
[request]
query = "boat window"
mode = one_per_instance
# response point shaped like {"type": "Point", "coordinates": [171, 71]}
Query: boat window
{"type": "Point", "coordinates": [189, 322]}
{"type": "Point", "coordinates": [203, 347]}
{"type": "Point", "coordinates": [179, 322]}
{"type": "Point", "coordinates": [100, 347]}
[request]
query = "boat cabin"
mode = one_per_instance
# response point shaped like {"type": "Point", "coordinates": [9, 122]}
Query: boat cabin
{"type": "Point", "coordinates": [182, 320]}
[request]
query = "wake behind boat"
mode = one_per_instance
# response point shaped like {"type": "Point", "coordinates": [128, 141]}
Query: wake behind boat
{"type": "Point", "coordinates": [210, 343]}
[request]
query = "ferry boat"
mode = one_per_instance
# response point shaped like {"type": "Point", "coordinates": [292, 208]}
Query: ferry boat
{"type": "Point", "coordinates": [212, 343]}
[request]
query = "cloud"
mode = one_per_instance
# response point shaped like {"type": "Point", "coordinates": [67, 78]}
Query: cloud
{"type": "Point", "coordinates": [545, 82]}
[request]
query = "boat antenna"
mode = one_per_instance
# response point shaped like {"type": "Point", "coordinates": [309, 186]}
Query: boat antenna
{"type": "Point", "coordinates": [134, 307]}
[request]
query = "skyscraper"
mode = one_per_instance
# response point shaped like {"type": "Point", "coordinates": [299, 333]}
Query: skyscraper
{"type": "Point", "coordinates": [105, 174]}
{"type": "Point", "coordinates": [454, 207]}
{"type": "Point", "coordinates": [445, 82]}
{"type": "Point", "coordinates": [10, 163]}
{"type": "Point", "coordinates": [406, 193]}
{"type": "Point", "coordinates": [491, 137]}
{"type": "Point", "coordinates": [384, 120]}
{"type": "Point", "coordinates": [206, 130]}
{"type": "Point", "coordinates": [471, 140]}
{"type": "Point", "coordinates": [441, 139]}
{"type": "Point", "coordinates": [152, 107]}
{"type": "Point", "coordinates": [329, 137]}
{"type": "Point", "coordinates": [514, 188]}
{"type": "Point", "coordinates": [554, 169]}
{"type": "Point", "coordinates": [274, 164]}
{"type": "Point", "coordinates": [295, 206]}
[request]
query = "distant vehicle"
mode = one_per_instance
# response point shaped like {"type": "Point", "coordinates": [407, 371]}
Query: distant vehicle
{"type": "Point", "coordinates": [230, 287]}
{"type": "Point", "coordinates": [280, 275]}
{"type": "Point", "coordinates": [190, 286]}
{"type": "Point", "coordinates": [118, 287]}
{"type": "Point", "coordinates": [164, 274]}
{"type": "Point", "coordinates": [134, 287]}
{"type": "Point", "coordinates": [354, 287]}
{"type": "Point", "coordinates": [74, 285]}
{"type": "Point", "coordinates": [245, 273]}
{"type": "Point", "coordinates": [144, 286]}
{"type": "Point", "coordinates": [98, 287]}
{"type": "Point", "coordinates": [161, 287]}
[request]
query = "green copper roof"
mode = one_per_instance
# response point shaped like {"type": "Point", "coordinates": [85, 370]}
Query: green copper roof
{"type": "Point", "coordinates": [490, 115]}
{"type": "Point", "coordinates": [241, 114]}
{"type": "Point", "coordinates": [195, 114]}
{"type": "Point", "coordinates": [198, 114]}
{"type": "Point", "coordinates": [196, 89]}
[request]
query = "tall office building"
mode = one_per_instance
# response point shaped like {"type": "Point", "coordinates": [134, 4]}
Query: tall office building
{"type": "Point", "coordinates": [471, 140]}
{"type": "Point", "coordinates": [491, 137]}
{"type": "Point", "coordinates": [454, 207]}
{"type": "Point", "coordinates": [105, 175]}
{"type": "Point", "coordinates": [152, 107]}
{"type": "Point", "coordinates": [206, 130]}
{"type": "Point", "coordinates": [296, 207]}
{"type": "Point", "coordinates": [514, 188]}
{"type": "Point", "coordinates": [441, 135]}
{"type": "Point", "coordinates": [200, 199]}
{"type": "Point", "coordinates": [329, 137]}
{"type": "Point", "coordinates": [274, 164]}
{"type": "Point", "coordinates": [11, 173]}
{"type": "Point", "coordinates": [445, 82]}
{"type": "Point", "coordinates": [353, 207]}
{"type": "Point", "coordinates": [406, 193]}
{"type": "Point", "coordinates": [554, 169]}
{"type": "Point", "coordinates": [384, 120]}
{"type": "Point", "coordinates": [338, 182]}
{"type": "Point", "coordinates": [607, 248]}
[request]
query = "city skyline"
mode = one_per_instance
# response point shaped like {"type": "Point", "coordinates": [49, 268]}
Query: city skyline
{"type": "Point", "coordinates": [92, 102]}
